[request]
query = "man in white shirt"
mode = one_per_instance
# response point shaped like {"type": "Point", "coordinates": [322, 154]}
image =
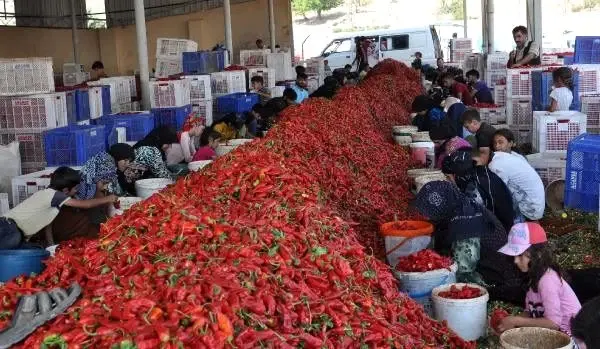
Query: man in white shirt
{"type": "Point", "coordinates": [526, 53]}
{"type": "Point", "coordinates": [524, 184]}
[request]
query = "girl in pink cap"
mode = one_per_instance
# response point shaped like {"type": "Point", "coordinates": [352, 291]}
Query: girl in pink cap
{"type": "Point", "coordinates": [550, 301]}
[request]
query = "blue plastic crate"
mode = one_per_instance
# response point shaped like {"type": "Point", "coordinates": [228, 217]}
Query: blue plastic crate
{"type": "Point", "coordinates": [73, 145]}
{"type": "Point", "coordinates": [568, 60]}
{"type": "Point", "coordinates": [78, 105]}
{"type": "Point", "coordinates": [582, 176]}
{"type": "Point", "coordinates": [106, 104]}
{"type": "Point", "coordinates": [237, 102]}
{"type": "Point", "coordinates": [587, 50]}
{"type": "Point", "coordinates": [15, 263]}
{"type": "Point", "coordinates": [203, 62]}
{"type": "Point", "coordinates": [541, 86]}
{"type": "Point", "coordinates": [137, 125]}
{"type": "Point", "coordinates": [174, 117]}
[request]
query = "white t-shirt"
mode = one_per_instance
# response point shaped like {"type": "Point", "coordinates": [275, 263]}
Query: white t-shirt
{"type": "Point", "coordinates": [182, 151]}
{"type": "Point", "coordinates": [38, 211]}
{"type": "Point", "coordinates": [524, 184]}
{"type": "Point", "coordinates": [563, 97]}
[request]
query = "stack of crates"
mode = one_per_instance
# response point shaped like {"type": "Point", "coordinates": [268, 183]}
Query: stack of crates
{"type": "Point", "coordinates": [268, 75]}
{"type": "Point", "coordinates": [582, 177]}
{"type": "Point", "coordinates": [204, 62]}
{"type": "Point", "coordinates": [226, 83]}
{"type": "Point", "coordinates": [118, 93]}
{"type": "Point", "coordinates": [237, 102]}
{"type": "Point", "coordinates": [493, 115]}
{"type": "Point", "coordinates": [474, 61]}
{"type": "Point", "coordinates": [201, 97]}
{"type": "Point", "coordinates": [282, 63]}
{"type": "Point", "coordinates": [78, 106]}
{"type": "Point", "coordinates": [519, 110]}
{"type": "Point", "coordinates": [552, 132]}
{"type": "Point", "coordinates": [590, 106]}
{"type": "Point", "coordinates": [460, 49]}
{"type": "Point", "coordinates": [254, 58]}
{"type": "Point", "coordinates": [74, 74]}
{"type": "Point", "coordinates": [495, 73]}
{"type": "Point", "coordinates": [171, 93]}
{"type": "Point", "coordinates": [136, 126]}
{"type": "Point", "coordinates": [169, 55]}
{"type": "Point", "coordinates": [73, 145]}
{"type": "Point", "coordinates": [549, 166]}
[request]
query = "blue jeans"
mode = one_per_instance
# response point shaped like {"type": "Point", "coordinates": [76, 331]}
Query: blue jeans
{"type": "Point", "coordinates": [10, 235]}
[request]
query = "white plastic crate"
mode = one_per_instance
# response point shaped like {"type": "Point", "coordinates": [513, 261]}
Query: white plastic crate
{"type": "Point", "coordinates": [552, 132]}
{"type": "Point", "coordinates": [132, 85]}
{"type": "Point", "coordinates": [473, 61]}
{"type": "Point", "coordinates": [95, 98]}
{"type": "Point", "coordinates": [126, 107]}
{"type": "Point", "coordinates": [254, 58]}
{"type": "Point", "coordinates": [166, 67]}
{"type": "Point", "coordinates": [199, 87]}
{"type": "Point", "coordinates": [28, 112]}
{"type": "Point", "coordinates": [174, 48]}
{"type": "Point", "coordinates": [23, 76]}
{"type": "Point", "coordinates": [73, 79]}
{"type": "Point", "coordinates": [460, 55]}
{"type": "Point", "coordinates": [31, 144]}
{"type": "Point", "coordinates": [590, 106]}
{"type": "Point", "coordinates": [228, 82]}
{"type": "Point", "coordinates": [518, 82]}
{"type": "Point", "coordinates": [519, 112]}
{"type": "Point", "coordinates": [497, 61]}
{"type": "Point", "coordinates": [120, 89]}
{"type": "Point", "coordinates": [313, 82]}
{"type": "Point", "coordinates": [315, 66]}
{"type": "Point", "coordinates": [268, 75]}
{"type": "Point", "coordinates": [589, 78]}
{"type": "Point", "coordinates": [462, 44]}
{"type": "Point", "coordinates": [4, 205]}
{"type": "Point", "coordinates": [493, 115]}
{"type": "Point", "coordinates": [60, 108]}
{"type": "Point", "coordinates": [168, 94]}
{"type": "Point", "coordinates": [494, 78]}
{"type": "Point", "coordinates": [26, 185]}
{"type": "Point", "coordinates": [282, 63]}
{"type": "Point", "coordinates": [550, 166]}
{"type": "Point", "coordinates": [522, 134]}
{"type": "Point", "coordinates": [204, 108]}
{"type": "Point", "coordinates": [500, 95]}
{"type": "Point", "coordinates": [72, 68]}
{"type": "Point", "coordinates": [277, 91]}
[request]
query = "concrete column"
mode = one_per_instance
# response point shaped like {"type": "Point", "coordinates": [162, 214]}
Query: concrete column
{"type": "Point", "coordinates": [74, 33]}
{"type": "Point", "coordinates": [228, 37]}
{"type": "Point", "coordinates": [534, 21]}
{"type": "Point", "coordinates": [142, 46]}
{"type": "Point", "coordinates": [272, 25]}
{"type": "Point", "coordinates": [487, 25]}
{"type": "Point", "coordinates": [465, 19]}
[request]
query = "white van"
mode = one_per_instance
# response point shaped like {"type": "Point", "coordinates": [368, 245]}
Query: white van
{"type": "Point", "coordinates": [399, 44]}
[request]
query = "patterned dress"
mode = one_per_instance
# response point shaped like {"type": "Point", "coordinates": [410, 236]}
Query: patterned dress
{"type": "Point", "coordinates": [148, 163]}
{"type": "Point", "coordinates": [101, 167]}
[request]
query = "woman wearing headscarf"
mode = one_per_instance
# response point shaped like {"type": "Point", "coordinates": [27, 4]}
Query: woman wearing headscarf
{"type": "Point", "coordinates": [481, 185]}
{"type": "Point", "coordinates": [430, 117]}
{"type": "Point", "coordinates": [472, 236]}
{"type": "Point", "coordinates": [150, 158]}
{"type": "Point", "coordinates": [100, 173]}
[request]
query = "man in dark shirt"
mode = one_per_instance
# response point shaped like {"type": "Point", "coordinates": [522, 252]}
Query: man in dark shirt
{"type": "Point", "coordinates": [479, 89]}
{"type": "Point", "coordinates": [457, 89]}
{"type": "Point", "coordinates": [484, 133]}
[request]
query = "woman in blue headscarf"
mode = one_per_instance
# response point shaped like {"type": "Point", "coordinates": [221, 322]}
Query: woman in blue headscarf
{"type": "Point", "coordinates": [100, 173]}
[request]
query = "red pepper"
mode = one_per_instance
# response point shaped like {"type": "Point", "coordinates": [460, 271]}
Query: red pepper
{"type": "Point", "coordinates": [464, 292]}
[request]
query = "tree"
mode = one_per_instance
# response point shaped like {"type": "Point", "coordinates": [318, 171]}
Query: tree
{"type": "Point", "coordinates": [452, 7]}
{"type": "Point", "coordinates": [587, 5]}
{"type": "Point", "coordinates": [303, 6]}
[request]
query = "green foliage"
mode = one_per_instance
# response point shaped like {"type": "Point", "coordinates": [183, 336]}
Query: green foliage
{"type": "Point", "coordinates": [587, 5]}
{"type": "Point", "coordinates": [452, 7]}
{"type": "Point", "coordinates": [304, 6]}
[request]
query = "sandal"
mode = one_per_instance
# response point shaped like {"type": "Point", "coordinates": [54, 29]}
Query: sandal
{"type": "Point", "coordinates": [35, 310]}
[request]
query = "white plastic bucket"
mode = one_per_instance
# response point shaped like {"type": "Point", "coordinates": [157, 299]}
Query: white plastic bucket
{"type": "Point", "coordinates": [238, 142]}
{"type": "Point", "coordinates": [421, 137]}
{"type": "Point", "coordinates": [198, 165]}
{"type": "Point", "coordinates": [419, 286]}
{"type": "Point", "coordinates": [535, 338]}
{"type": "Point", "coordinates": [424, 153]}
{"type": "Point", "coordinates": [466, 317]}
{"type": "Point", "coordinates": [417, 172]}
{"type": "Point", "coordinates": [404, 130]}
{"type": "Point", "coordinates": [412, 245]}
{"type": "Point", "coordinates": [402, 140]}
{"type": "Point", "coordinates": [145, 188]}
{"type": "Point", "coordinates": [125, 204]}
{"type": "Point", "coordinates": [224, 149]}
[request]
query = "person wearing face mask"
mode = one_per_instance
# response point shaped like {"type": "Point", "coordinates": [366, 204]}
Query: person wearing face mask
{"type": "Point", "coordinates": [526, 53]}
{"type": "Point", "coordinates": [150, 159]}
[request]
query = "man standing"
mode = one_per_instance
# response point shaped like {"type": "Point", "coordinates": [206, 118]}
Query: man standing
{"type": "Point", "coordinates": [526, 53]}
{"type": "Point", "coordinates": [259, 44]}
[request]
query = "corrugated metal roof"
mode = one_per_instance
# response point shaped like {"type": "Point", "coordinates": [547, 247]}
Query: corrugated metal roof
{"type": "Point", "coordinates": [49, 13]}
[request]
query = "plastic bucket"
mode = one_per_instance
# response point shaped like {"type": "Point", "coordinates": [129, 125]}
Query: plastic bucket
{"type": "Point", "coordinates": [417, 172]}
{"type": "Point", "coordinates": [421, 137]}
{"type": "Point", "coordinates": [419, 286]}
{"type": "Point", "coordinates": [198, 165]}
{"type": "Point", "coordinates": [402, 140]}
{"type": "Point", "coordinates": [402, 241]}
{"type": "Point", "coordinates": [423, 153]}
{"type": "Point", "coordinates": [238, 142]}
{"type": "Point", "coordinates": [145, 188]}
{"type": "Point", "coordinates": [404, 130]}
{"type": "Point", "coordinates": [422, 180]}
{"type": "Point", "coordinates": [535, 338]}
{"type": "Point", "coordinates": [224, 149]}
{"type": "Point", "coordinates": [125, 204]}
{"type": "Point", "coordinates": [14, 263]}
{"type": "Point", "coordinates": [466, 317]}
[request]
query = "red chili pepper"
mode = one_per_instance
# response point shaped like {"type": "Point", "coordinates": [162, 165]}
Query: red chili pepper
{"type": "Point", "coordinates": [424, 260]}
{"type": "Point", "coordinates": [464, 292]}
{"type": "Point", "coordinates": [497, 316]}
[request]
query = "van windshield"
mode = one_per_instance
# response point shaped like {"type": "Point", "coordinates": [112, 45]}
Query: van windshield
{"type": "Point", "coordinates": [436, 43]}
{"type": "Point", "coordinates": [338, 45]}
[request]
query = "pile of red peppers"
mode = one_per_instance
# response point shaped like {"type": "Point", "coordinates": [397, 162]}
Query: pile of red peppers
{"type": "Point", "coordinates": [272, 246]}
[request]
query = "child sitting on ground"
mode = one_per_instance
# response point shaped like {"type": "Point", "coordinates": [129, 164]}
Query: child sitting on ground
{"type": "Point", "coordinates": [258, 87]}
{"type": "Point", "coordinates": [561, 96]}
{"type": "Point", "coordinates": [38, 212]}
{"type": "Point", "coordinates": [550, 301]}
{"type": "Point", "coordinates": [209, 140]}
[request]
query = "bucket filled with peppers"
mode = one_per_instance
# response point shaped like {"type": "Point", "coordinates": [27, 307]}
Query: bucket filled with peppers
{"type": "Point", "coordinates": [463, 307]}
{"type": "Point", "coordinates": [403, 238]}
{"type": "Point", "coordinates": [421, 272]}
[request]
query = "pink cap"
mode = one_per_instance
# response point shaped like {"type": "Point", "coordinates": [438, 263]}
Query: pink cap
{"type": "Point", "coordinates": [522, 236]}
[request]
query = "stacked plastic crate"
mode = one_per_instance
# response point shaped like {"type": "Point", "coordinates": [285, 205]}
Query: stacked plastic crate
{"type": "Point", "coordinates": [315, 69]}
{"type": "Point", "coordinates": [204, 62]}
{"type": "Point", "coordinates": [254, 58]}
{"type": "Point", "coordinates": [519, 112]}
{"type": "Point", "coordinates": [282, 63]}
{"type": "Point", "coordinates": [170, 101]}
{"type": "Point", "coordinates": [201, 97]}
{"type": "Point", "coordinates": [582, 177]}
{"type": "Point", "coordinates": [28, 107]}
{"type": "Point", "coordinates": [169, 55]}
{"type": "Point", "coordinates": [117, 93]}
{"type": "Point", "coordinates": [74, 74]}
{"type": "Point", "coordinates": [460, 49]}
{"type": "Point", "coordinates": [225, 83]}
{"type": "Point", "coordinates": [495, 73]}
